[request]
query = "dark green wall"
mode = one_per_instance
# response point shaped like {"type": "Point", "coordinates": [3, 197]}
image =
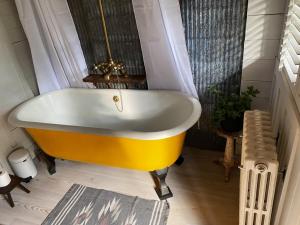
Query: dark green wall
{"type": "Point", "coordinates": [121, 27]}
{"type": "Point", "coordinates": [214, 31]}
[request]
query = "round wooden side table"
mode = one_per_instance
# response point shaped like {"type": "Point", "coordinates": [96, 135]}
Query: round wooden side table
{"type": "Point", "coordinates": [6, 191]}
{"type": "Point", "coordinates": [228, 160]}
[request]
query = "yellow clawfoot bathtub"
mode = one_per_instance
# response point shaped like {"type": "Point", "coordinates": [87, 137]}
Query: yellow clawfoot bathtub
{"type": "Point", "coordinates": [85, 125]}
{"type": "Point", "coordinates": [129, 153]}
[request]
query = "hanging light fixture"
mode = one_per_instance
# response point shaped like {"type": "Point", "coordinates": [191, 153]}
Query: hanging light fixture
{"type": "Point", "coordinates": [109, 67]}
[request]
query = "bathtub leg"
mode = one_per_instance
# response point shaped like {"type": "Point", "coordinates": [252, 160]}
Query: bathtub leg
{"type": "Point", "coordinates": [162, 189]}
{"type": "Point", "coordinates": [50, 162]}
{"type": "Point", "coordinates": [180, 160]}
{"type": "Point", "coordinates": [51, 165]}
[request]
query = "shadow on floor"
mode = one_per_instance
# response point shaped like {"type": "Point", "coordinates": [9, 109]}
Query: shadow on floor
{"type": "Point", "coordinates": [200, 191]}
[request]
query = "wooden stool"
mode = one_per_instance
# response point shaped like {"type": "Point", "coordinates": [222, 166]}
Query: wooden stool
{"type": "Point", "coordinates": [228, 160]}
{"type": "Point", "coordinates": [15, 182]}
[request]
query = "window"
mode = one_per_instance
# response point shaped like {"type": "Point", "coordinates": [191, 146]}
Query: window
{"type": "Point", "coordinates": [290, 52]}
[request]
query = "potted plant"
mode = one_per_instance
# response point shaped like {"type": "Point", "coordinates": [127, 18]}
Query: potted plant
{"type": "Point", "coordinates": [229, 110]}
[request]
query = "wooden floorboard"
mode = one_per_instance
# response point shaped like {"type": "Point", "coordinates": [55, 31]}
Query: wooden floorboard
{"type": "Point", "coordinates": [201, 197]}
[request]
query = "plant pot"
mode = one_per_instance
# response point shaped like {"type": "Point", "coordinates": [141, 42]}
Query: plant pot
{"type": "Point", "coordinates": [232, 125]}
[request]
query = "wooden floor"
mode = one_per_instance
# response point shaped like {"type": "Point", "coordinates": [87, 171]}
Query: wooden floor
{"type": "Point", "coordinates": [201, 197]}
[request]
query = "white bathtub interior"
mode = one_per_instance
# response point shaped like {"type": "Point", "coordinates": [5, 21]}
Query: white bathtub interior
{"type": "Point", "coordinates": [96, 109]}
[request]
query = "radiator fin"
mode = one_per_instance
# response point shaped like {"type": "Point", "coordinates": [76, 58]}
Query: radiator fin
{"type": "Point", "coordinates": [259, 168]}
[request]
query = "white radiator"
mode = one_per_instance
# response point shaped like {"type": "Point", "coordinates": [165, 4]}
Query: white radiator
{"type": "Point", "coordinates": [259, 168]}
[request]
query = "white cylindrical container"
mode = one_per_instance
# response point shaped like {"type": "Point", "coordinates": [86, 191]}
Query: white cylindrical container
{"type": "Point", "coordinates": [4, 178]}
{"type": "Point", "coordinates": [22, 163]}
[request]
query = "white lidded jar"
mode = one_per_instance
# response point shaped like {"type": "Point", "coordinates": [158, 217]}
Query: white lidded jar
{"type": "Point", "coordinates": [22, 164]}
{"type": "Point", "coordinates": [4, 177]}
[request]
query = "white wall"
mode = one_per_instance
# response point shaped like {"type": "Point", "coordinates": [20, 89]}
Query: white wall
{"type": "Point", "coordinates": [17, 76]}
{"type": "Point", "coordinates": [286, 126]}
{"type": "Point", "coordinates": [263, 32]}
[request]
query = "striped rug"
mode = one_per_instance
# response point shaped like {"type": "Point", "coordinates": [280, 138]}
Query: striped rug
{"type": "Point", "coordinates": [83, 205]}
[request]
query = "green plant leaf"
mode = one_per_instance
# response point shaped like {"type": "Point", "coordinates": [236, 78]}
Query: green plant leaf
{"type": "Point", "coordinates": [233, 105]}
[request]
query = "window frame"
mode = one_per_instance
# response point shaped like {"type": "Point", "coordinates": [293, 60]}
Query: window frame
{"type": "Point", "coordinates": [293, 83]}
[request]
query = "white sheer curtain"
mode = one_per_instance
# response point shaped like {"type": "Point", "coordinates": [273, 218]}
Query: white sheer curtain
{"type": "Point", "coordinates": [163, 45]}
{"type": "Point", "coordinates": [57, 55]}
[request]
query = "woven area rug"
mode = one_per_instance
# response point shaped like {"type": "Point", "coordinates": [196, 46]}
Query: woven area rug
{"type": "Point", "coordinates": [83, 205]}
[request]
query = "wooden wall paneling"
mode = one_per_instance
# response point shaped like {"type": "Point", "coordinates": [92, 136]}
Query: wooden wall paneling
{"type": "Point", "coordinates": [286, 123]}
{"type": "Point", "coordinates": [259, 7]}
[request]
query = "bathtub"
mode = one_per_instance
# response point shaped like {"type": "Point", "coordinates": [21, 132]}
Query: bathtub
{"type": "Point", "coordinates": [85, 125]}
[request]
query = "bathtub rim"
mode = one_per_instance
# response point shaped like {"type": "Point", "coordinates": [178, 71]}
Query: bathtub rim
{"type": "Point", "coordinates": [141, 135]}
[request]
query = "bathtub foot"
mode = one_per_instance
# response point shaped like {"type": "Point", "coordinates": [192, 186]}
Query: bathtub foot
{"type": "Point", "coordinates": [50, 162]}
{"type": "Point", "coordinates": [51, 165]}
{"type": "Point", "coordinates": [162, 189]}
{"type": "Point", "coordinates": [180, 160]}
